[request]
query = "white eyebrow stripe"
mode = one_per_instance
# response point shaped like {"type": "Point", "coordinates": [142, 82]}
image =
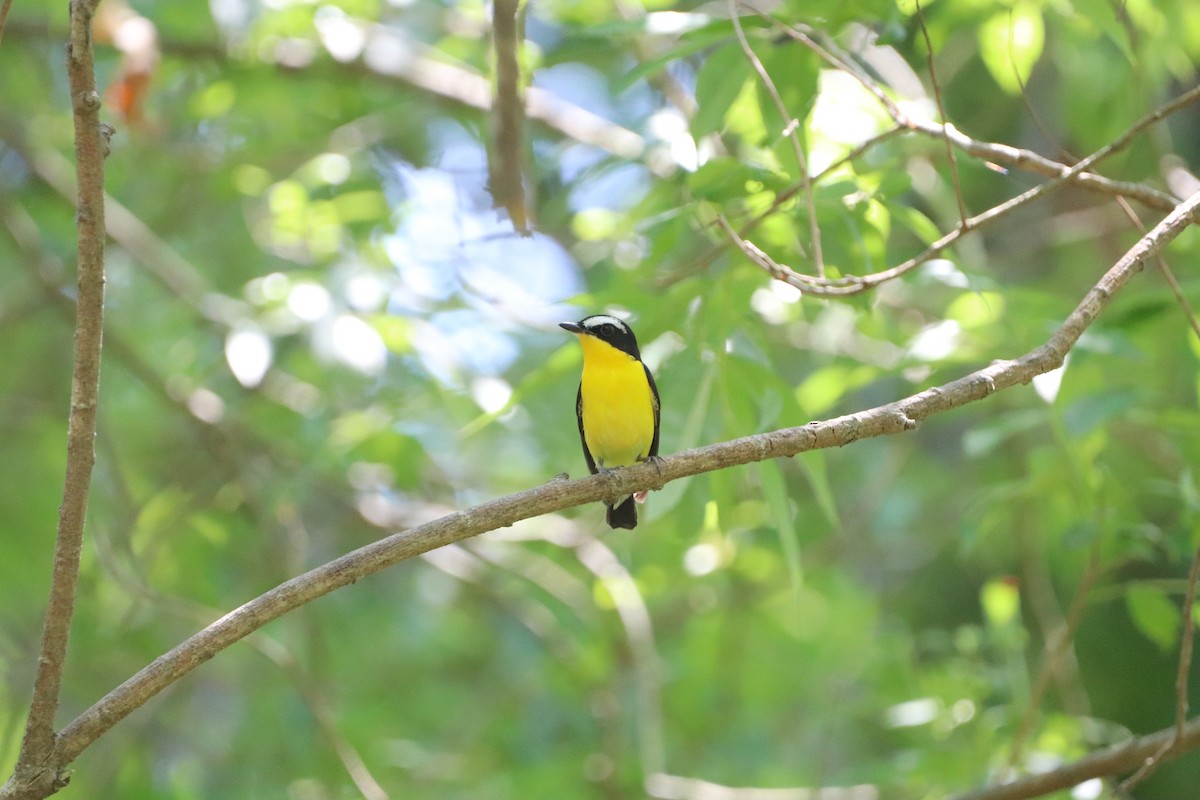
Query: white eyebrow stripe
{"type": "Point", "coordinates": [603, 319]}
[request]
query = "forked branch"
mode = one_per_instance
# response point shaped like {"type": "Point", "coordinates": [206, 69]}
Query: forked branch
{"type": "Point", "coordinates": [38, 772]}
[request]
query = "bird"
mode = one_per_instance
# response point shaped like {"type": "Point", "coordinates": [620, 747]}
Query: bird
{"type": "Point", "coordinates": [617, 406]}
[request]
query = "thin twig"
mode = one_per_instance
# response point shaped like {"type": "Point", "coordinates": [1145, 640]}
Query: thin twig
{"type": "Point", "coordinates": [853, 284]}
{"type": "Point", "coordinates": [1185, 650]}
{"type": "Point", "coordinates": [937, 96]}
{"type": "Point", "coordinates": [1176, 742]}
{"type": "Point", "coordinates": [773, 268]}
{"type": "Point", "coordinates": [988, 151]}
{"type": "Point", "coordinates": [1024, 159]}
{"type": "Point", "coordinates": [791, 131]}
{"type": "Point", "coordinates": [832, 55]}
{"type": "Point", "coordinates": [787, 194]}
{"type": "Point", "coordinates": [1057, 646]}
{"type": "Point", "coordinates": [1188, 313]}
{"type": "Point", "coordinates": [890, 419]}
{"type": "Point", "coordinates": [35, 761]}
{"type": "Point", "coordinates": [1006, 154]}
{"type": "Point", "coordinates": [320, 706]}
{"type": "Point", "coordinates": [1012, 62]}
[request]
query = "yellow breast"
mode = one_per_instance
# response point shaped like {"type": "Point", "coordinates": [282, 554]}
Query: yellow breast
{"type": "Point", "coordinates": [618, 407]}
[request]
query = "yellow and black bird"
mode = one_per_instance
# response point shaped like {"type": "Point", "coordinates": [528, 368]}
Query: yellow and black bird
{"type": "Point", "coordinates": [617, 404]}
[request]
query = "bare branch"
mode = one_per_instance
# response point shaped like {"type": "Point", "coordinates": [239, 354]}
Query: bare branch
{"type": "Point", "coordinates": [1176, 743]}
{"type": "Point", "coordinates": [853, 284]}
{"type": "Point", "coordinates": [35, 765]}
{"type": "Point", "coordinates": [1039, 164]}
{"type": "Point", "coordinates": [773, 268]}
{"type": "Point", "coordinates": [893, 418]}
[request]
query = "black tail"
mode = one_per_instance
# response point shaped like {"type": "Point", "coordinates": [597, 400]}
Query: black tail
{"type": "Point", "coordinates": [622, 515]}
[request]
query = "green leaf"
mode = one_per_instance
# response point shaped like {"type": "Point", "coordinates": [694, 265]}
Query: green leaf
{"type": "Point", "coordinates": [815, 468]}
{"type": "Point", "coordinates": [920, 225]}
{"type": "Point", "coordinates": [1001, 600]}
{"type": "Point", "coordinates": [718, 83]}
{"type": "Point", "coordinates": [690, 44]}
{"type": "Point", "coordinates": [1089, 413]}
{"type": "Point", "coordinates": [775, 492]}
{"type": "Point", "coordinates": [1010, 43]}
{"type": "Point", "coordinates": [1154, 614]}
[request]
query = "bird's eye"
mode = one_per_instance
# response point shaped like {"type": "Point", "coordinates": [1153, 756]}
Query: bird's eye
{"type": "Point", "coordinates": [608, 328]}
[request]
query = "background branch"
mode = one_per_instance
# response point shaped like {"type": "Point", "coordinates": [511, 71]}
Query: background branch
{"type": "Point", "coordinates": [508, 116]}
{"type": "Point", "coordinates": [5, 6]}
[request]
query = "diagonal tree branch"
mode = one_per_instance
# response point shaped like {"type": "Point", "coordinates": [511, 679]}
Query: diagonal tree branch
{"type": "Point", "coordinates": [35, 761]}
{"type": "Point", "coordinates": [1111, 761]}
{"type": "Point", "coordinates": [893, 418]}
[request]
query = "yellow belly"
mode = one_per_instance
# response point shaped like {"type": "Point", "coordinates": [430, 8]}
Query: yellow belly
{"type": "Point", "coordinates": [618, 411]}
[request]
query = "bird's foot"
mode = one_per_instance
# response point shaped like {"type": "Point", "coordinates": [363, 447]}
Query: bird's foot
{"type": "Point", "coordinates": [656, 461]}
{"type": "Point", "coordinates": [609, 474]}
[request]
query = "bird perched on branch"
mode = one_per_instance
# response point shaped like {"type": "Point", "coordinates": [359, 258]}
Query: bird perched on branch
{"type": "Point", "coordinates": [617, 404]}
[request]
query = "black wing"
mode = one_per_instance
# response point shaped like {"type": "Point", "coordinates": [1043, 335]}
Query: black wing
{"type": "Point", "coordinates": [583, 437]}
{"type": "Point", "coordinates": [654, 391]}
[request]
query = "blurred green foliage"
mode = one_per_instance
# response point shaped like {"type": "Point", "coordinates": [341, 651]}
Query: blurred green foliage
{"type": "Point", "coordinates": [319, 332]}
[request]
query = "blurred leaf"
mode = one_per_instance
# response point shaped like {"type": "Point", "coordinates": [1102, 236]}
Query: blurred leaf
{"type": "Point", "coordinates": [1011, 42]}
{"type": "Point", "coordinates": [1154, 614]}
{"type": "Point", "coordinates": [775, 492]}
{"type": "Point", "coordinates": [1088, 413]}
{"type": "Point", "coordinates": [814, 465]}
{"type": "Point", "coordinates": [1001, 602]}
{"type": "Point", "coordinates": [718, 82]}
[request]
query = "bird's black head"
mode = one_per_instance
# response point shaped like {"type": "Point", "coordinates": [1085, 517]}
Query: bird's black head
{"type": "Point", "coordinates": [607, 329]}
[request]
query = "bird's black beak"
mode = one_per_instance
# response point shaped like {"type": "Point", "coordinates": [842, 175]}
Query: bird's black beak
{"type": "Point", "coordinates": [573, 327]}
